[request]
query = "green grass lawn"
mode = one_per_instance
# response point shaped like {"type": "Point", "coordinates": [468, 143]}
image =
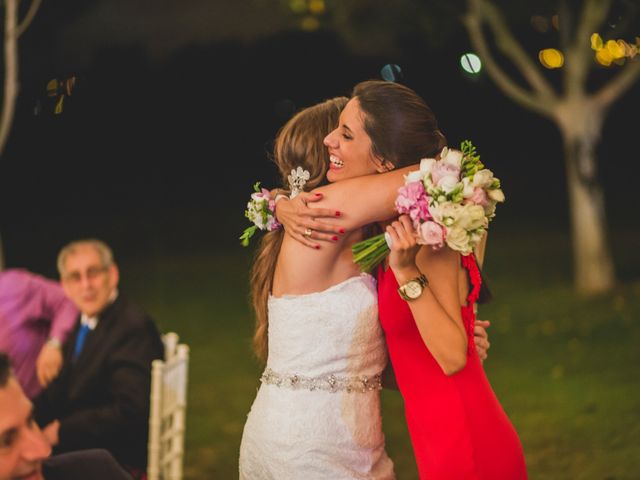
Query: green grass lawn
{"type": "Point", "coordinates": [563, 367]}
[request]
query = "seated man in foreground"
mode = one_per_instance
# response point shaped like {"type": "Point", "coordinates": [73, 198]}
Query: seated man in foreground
{"type": "Point", "coordinates": [101, 397]}
{"type": "Point", "coordinates": [24, 449]}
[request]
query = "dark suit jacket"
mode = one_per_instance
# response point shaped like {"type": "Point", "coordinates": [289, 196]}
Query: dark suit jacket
{"type": "Point", "coordinates": [94, 464]}
{"type": "Point", "coordinates": [102, 398]}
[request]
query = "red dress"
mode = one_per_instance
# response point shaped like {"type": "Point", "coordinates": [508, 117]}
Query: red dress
{"type": "Point", "coordinates": [458, 429]}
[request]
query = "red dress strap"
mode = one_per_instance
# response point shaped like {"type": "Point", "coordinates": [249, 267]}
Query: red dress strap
{"type": "Point", "coordinates": [468, 313]}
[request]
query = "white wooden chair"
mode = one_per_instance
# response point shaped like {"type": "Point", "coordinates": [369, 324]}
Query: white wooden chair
{"type": "Point", "coordinates": [169, 379]}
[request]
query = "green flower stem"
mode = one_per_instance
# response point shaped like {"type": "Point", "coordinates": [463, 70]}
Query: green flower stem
{"type": "Point", "coordinates": [370, 252]}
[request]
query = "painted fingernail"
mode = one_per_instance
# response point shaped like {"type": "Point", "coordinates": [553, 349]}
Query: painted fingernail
{"type": "Point", "coordinates": [338, 213]}
{"type": "Point", "coordinates": [341, 230]}
{"type": "Point", "coordinates": [318, 194]}
{"type": "Point", "coordinates": [317, 247]}
{"type": "Point", "coordinates": [334, 238]}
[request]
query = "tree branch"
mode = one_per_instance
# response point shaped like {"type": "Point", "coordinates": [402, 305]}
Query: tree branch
{"type": "Point", "coordinates": [618, 84]}
{"type": "Point", "coordinates": [473, 22]}
{"type": "Point", "coordinates": [33, 9]}
{"type": "Point", "coordinates": [511, 48]}
{"type": "Point", "coordinates": [578, 64]}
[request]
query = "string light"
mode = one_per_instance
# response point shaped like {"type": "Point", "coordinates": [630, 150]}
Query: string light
{"type": "Point", "coordinates": [551, 58]}
{"type": "Point", "coordinates": [471, 63]}
{"type": "Point", "coordinates": [613, 51]}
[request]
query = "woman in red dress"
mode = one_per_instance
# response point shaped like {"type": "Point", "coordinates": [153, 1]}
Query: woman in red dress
{"type": "Point", "coordinates": [457, 426]}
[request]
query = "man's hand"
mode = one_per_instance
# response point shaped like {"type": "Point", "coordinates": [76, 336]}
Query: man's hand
{"type": "Point", "coordinates": [50, 432]}
{"type": "Point", "coordinates": [481, 338]}
{"type": "Point", "coordinates": [48, 363]}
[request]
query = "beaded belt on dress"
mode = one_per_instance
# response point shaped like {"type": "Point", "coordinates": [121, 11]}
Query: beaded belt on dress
{"type": "Point", "coordinates": [329, 383]}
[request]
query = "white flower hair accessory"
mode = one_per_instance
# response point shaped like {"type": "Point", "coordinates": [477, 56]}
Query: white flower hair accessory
{"type": "Point", "coordinates": [297, 180]}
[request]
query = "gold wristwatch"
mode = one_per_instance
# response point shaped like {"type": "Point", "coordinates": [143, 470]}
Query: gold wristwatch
{"type": "Point", "coordinates": [413, 288]}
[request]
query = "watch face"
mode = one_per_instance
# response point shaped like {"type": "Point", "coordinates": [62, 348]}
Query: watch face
{"type": "Point", "coordinates": [413, 289]}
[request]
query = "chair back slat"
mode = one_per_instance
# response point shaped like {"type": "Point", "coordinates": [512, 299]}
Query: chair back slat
{"type": "Point", "coordinates": [169, 381]}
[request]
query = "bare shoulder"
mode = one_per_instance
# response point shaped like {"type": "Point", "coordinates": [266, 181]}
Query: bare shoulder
{"type": "Point", "coordinates": [440, 260]}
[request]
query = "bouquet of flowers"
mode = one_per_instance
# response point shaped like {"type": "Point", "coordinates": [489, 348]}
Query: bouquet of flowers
{"type": "Point", "coordinates": [450, 200]}
{"type": "Point", "coordinates": [261, 211]}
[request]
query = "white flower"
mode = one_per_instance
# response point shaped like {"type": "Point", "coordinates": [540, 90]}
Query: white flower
{"type": "Point", "coordinates": [446, 212]}
{"type": "Point", "coordinates": [457, 239]}
{"type": "Point", "coordinates": [483, 178]}
{"type": "Point", "coordinates": [254, 214]}
{"type": "Point", "coordinates": [258, 197]}
{"type": "Point", "coordinates": [476, 236]}
{"type": "Point", "coordinates": [448, 183]}
{"type": "Point", "coordinates": [414, 176]}
{"type": "Point", "coordinates": [496, 194]}
{"type": "Point", "coordinates": [471, 217]}
{"type": "Point", "coordinates": [451, 157]}
{"type": "Point", "coordinates": [467, 187]}
{"type": "Point", "coordinates": [426, 164]}
{"type": "Point", "coordinates": [490, 209]}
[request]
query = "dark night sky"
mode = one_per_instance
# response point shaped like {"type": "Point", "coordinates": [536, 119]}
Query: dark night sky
{"type": "Point", "coordinates": [175, 110]}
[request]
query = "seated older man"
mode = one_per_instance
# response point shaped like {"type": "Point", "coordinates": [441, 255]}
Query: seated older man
{"type": "Point", "coordinates": [101, 397]}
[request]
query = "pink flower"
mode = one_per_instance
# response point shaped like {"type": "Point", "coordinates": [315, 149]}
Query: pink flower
{"type": "Point", "coordinates": [431, 233]}
{"type": "Point", "coordinates": [409, 196]}
{"type": "Point", "coordinates": [412, 199]}
{"type": "Point", "coordinates": [479, 197]}
{"type": "Point", "coordinates": [442, 169]}
{"type": "Point", "coordinates": [262, 196]}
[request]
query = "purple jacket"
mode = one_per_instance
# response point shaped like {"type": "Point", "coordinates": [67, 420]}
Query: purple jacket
{"type": "Point", "coordinates": [32, 309]}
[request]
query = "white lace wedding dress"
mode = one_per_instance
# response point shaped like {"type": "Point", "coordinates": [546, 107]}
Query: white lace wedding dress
{"type": "Point", "coordinates": [317, 412]}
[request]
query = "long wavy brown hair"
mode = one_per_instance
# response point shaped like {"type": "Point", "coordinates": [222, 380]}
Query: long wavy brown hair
{"type": "Point", "coordinates": [297, 144]}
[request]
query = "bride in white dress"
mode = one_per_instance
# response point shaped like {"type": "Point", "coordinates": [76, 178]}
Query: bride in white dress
{"type": "Point", "coordinates": [317, 411]}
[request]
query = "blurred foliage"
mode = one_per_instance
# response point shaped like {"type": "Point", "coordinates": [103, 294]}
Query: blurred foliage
{"type": "Point", "coordinates": [379, 26]}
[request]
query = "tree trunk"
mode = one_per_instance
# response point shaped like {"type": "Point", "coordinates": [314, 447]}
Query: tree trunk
{"type": "Point", "coordinates": [11, 70]}
{"type": "Point", "coordinates": [593, 264]}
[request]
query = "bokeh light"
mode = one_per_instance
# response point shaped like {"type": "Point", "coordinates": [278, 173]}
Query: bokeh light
{"type": "Point", "coordinates": [391, 72]}
{"type": "Point", "coordinates": [551, 58]}
{"type": "Point", "coordinates": [603, 57]}
{"type": "Point", "coordinates": [317, 7]}
{"type": "Point", "coordinates": [613, 51]}
{"type": "Point", "coordinates": [298, 6]}
{"type": "Point", "coordinates": [310, 24]}
{"type": "Point", "coordinates": [539, 23]}
{"type": "Point", "coordinates": [616, 49]}
{"type": "Point", "coordinates": [596, 41]}
{"type": "Point", "coordinates": [471, 63]}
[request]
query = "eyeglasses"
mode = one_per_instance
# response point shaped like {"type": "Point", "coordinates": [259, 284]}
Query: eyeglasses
{"type": "Point", "coordinates": [91, 274]}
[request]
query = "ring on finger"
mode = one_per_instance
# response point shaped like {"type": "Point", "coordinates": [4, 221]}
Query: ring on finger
{"type": "Point", "coordinates": [307, 232]}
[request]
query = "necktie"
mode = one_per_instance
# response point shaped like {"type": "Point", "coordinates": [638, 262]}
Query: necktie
{"type": "Point", "coordinates": [82, 335]}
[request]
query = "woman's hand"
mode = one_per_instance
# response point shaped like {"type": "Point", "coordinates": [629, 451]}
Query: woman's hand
{"type": "Point", "coordinates": [300, 221]}
{"type": "Point", "coordinates": [404, 249]}
{"type": "Point", "coordinates": [481, 338]}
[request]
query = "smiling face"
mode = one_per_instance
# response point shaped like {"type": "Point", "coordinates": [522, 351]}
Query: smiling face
{"type": "Point", "coordinates": [349, 146]}
{"type": "Point", "coordinates": [87, 281]}
{"type": "Point", "coordinates": [22, 444]}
